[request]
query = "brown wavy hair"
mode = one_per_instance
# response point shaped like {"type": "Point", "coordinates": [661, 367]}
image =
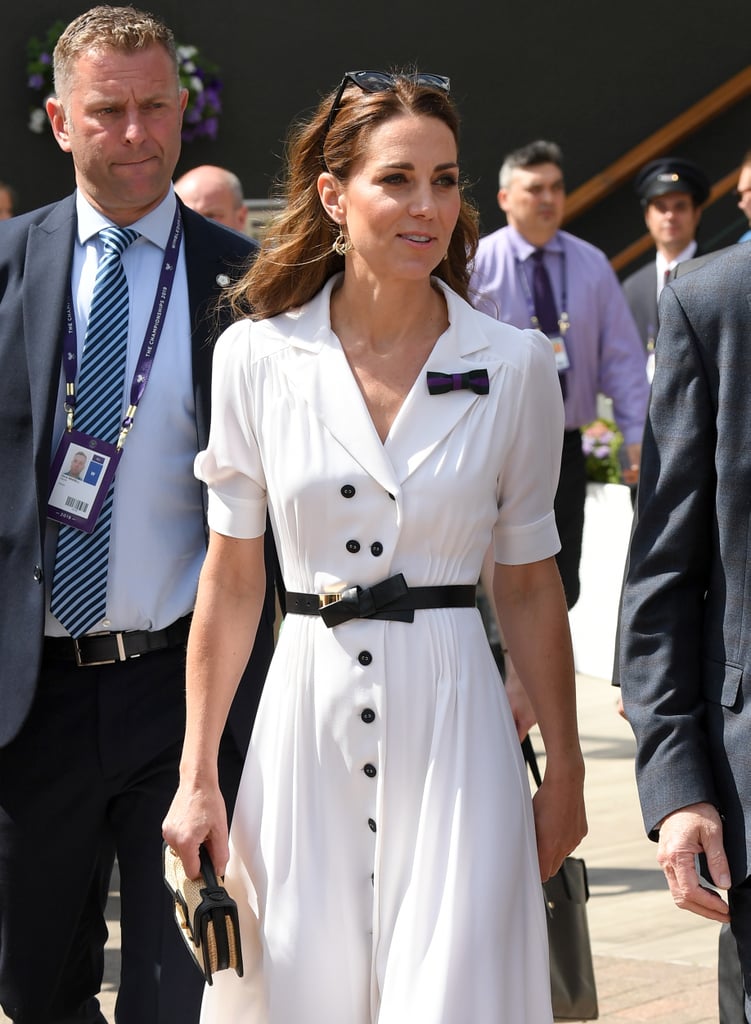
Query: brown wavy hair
{"type": "Point", "coordinates": [296, 258]}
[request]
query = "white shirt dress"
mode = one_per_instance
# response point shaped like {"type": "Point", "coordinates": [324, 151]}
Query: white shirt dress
{"type": "Point", "coordinates": [382, 849]}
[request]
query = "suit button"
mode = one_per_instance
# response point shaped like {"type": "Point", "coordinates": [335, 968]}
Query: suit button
{"type": "Point", "coordinates": [368, 715]}
{"type": "Point", "coordinates": [376, 548]}
{"type": "Point", "coordinates": [38, 574]}
{"type": "Point", "coordinates": [365, 657]}
{"type": "Point", "coordinates": [353, 546]}
{"type": "Point", "coordinates": [348, 491]}
{"type": "Point", "coordinates": [370, 770]}
{"type": "Point", "coordinates": [371, 825]}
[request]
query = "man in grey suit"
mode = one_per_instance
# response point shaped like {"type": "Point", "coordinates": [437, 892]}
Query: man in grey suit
{"type": "Point", "coordinates": [671, 191]}
{"type": "Point", "coordinates": [92, 714]}
{"type": "Point", "coordinates": [684, 650]}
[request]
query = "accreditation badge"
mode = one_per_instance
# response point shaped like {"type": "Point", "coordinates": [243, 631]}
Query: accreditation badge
{"type": "Point", "coordinates": [82, 471]}
{"type": "Point", "coordinates": [562, 361]}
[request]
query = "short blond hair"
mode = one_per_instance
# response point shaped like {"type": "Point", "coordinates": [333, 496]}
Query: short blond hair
{"type": "Point", "coordinates": [124, 29]}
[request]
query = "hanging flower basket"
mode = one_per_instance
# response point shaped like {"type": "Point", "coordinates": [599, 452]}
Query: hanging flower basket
{"type": "Point", "coordinates": [601, 443]}
{"type": "Point", "coordinates": [197, 75]}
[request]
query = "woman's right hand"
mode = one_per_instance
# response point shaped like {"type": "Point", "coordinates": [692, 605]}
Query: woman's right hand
{"type": "Point", "coordinates": [198, 815]}
{"type": "Point", "coordinates": [231, 591]}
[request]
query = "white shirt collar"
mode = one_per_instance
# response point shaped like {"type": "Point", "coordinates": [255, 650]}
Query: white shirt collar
{"type": "Point", "coordinates": [155, 226]}
{"type": "Point", "coordinates": [663, 264]}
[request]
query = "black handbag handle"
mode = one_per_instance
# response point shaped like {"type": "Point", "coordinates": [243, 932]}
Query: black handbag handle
{"type": "Point", "coordinates": [531, 759]}
{"type": "Point", "coordinates": [207, 868]}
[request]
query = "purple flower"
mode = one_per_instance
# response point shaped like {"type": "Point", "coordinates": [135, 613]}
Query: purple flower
{"type": "Point", "coordinates": [36, 81]}
{"type": "Point", "coordinates": [211, 97]}
{"type": "Point", "coordinates": [44, 58]}
{"type": "Point", "coordinates": [211, 124]}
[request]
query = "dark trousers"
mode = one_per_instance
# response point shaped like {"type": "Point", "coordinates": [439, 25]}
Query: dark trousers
{"type": "Point", "coordinates": [90, 778]}
{"type": "Point", "coordinates": [569, 513]}
{"type": "Point", "coordinates": [729, 980]}
{"type": "Point", "coordinates": [739, 899]}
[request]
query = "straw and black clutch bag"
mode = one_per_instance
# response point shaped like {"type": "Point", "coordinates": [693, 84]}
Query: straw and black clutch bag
{"type": "Point", "coordinates": [205, 913]}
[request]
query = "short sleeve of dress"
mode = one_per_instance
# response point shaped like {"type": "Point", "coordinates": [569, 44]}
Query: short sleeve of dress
{"type": "Point", "coordinates": [525, 530]}
{"type": "Point", "coordinates": [231, 465]}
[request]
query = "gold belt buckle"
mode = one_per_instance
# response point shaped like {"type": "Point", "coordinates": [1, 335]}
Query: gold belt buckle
{"type": "Point", "coordinates": [326, 599]}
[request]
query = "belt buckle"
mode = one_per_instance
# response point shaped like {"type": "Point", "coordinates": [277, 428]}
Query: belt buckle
{"type": "Point", "coordinates": [121, 655]}
{"type": "Point", "coordinates": [327, 599]}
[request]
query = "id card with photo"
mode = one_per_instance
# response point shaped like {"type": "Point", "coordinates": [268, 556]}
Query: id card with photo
{"type": "Point", "coordinates": [81, 474]}
{"type": "Point", "coordinates": [562, 361]}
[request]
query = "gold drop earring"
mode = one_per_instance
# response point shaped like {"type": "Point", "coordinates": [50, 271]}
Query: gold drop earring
{"type": "Point", "coordinates": [342, 244]}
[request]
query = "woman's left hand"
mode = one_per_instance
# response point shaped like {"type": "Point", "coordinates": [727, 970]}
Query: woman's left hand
{"type": "Point", "coordinates": [560, 817]}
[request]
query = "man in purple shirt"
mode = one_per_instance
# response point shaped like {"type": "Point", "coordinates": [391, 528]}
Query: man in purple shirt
{"type": "Point", "coordinates": [598, 349]}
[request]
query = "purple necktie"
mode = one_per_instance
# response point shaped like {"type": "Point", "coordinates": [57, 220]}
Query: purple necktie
{"type": "Point", "coordinates": [544, 302]}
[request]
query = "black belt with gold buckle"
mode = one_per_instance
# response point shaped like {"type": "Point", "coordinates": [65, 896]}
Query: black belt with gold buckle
{"type": "Point", "coordinates": [108, 648]}
{"type": "Point", "coordinates": [389, 599]}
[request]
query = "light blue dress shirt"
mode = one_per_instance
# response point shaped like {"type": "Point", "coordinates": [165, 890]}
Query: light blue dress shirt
{"type": "Point", "coordinates": [157, 539]}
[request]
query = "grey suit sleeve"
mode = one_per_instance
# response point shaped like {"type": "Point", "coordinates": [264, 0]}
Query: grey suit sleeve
{"type": "Point", "coordinates": [668, 573]}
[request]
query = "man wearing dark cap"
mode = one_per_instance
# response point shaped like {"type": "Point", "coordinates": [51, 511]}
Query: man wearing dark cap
{"type": "Point", "coordinates": [672, 192]}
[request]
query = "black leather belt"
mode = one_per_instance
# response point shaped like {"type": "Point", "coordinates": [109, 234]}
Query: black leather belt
{"type": "Point", "coordinates": [389, 599]}
{"type": "Point", "coordinates": [107, 648]}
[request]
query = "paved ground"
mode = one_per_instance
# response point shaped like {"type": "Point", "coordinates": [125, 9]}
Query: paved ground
{"type": "Point", "coordinates": [654, 963]}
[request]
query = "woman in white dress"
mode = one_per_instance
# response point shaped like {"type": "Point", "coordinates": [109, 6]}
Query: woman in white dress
{"type": "Point", "coordinates": [385, 851]}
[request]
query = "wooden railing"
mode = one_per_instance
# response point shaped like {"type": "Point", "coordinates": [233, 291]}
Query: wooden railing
{"type": "Point", "coordinates": [625, 168]}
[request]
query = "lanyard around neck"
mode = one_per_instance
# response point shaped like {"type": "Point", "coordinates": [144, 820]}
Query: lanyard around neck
{"type": "Point", "coordinates": [150, 341]}
{"type": "Point", "coordinates": [563, 319]}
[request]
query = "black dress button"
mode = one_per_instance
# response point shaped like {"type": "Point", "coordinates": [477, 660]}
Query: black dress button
{"type": "Point", "coordinates": [371, 825]}
{"type": "Point", "coordinates": [38, 574]}
{"type": "Point", "coordinates": [376, 548]}
{"type": "Point", "coordinates": [370, 770]}
{"type": "Point", "coordinates": [353, 546]}
{"type": "Point", "coordinates": [368, 715]}
{"type": "Point", "coordinates": [365, 657]}
{"type": "Point", "coordinates": [348, 491]}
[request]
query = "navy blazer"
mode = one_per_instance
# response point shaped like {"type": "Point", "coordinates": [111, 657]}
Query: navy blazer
{"type": "Point", "coordinates": [35, 259]}
{"type": "Point", "coordinates": [685, 639]}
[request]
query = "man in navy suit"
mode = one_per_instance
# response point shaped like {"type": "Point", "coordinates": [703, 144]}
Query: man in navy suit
{"type": "Point", "coordinates": [91, 725]}
{"type": "Point", "coordinates": [685, 655]}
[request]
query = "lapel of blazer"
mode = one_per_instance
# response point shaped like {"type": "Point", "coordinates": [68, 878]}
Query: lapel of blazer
{"type": "Point", "coordinates": [211, 255]}
{"type": "Point", "coordinates": [320, 373]}
{"type": "Point", "coordinates": [201, 286]}
{"type": "Point", "coordinates": [46, 279]}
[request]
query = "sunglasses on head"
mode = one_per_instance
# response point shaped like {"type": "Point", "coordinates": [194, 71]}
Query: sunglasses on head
{"type": "Point", "coordinates": [381, 81]}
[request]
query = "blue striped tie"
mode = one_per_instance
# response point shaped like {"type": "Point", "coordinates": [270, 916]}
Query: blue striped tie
{"type": "Point", "coordinates": [79, 583]}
